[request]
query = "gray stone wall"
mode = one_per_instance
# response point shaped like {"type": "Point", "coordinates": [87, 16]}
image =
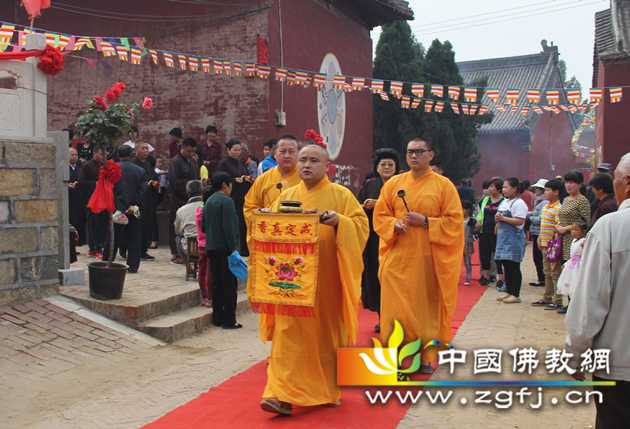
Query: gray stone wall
{"type": "Point", "coordinates": [29, 255]}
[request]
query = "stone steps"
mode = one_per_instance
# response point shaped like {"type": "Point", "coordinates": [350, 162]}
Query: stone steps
{"type": "Point", "coordinates": [168, 314]}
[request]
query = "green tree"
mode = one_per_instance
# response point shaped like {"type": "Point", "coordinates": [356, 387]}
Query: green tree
{"type": "Point", "coordinates": [398, 57]}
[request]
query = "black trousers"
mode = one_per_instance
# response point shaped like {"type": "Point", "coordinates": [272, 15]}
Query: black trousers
{"type": "Point", "coordinates": [223, 286]}
{"type": "Point", "coordinates": [98, 224]}
{"type": "Point", "coordinates": [487, 245]}
{"type": "Point", "coordinates": [171, 227]}
{"type": "Point", "coordinates": [129, 234]}
{"type": "Point", "coordinates": [538, 259]}
{"type": "Point", "coordinates": [147, 220]}
{"type": "Point", "coordinates": [613, 412]}
{"type": "Point", "coordinates": [513, 277]}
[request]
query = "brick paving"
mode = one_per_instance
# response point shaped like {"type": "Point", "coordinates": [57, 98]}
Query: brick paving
{"type": "Point", "coordinates": [62, 369]}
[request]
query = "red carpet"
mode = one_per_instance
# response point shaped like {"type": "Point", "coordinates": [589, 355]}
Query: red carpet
{"type": "Point", "coordinates": [235, 403]}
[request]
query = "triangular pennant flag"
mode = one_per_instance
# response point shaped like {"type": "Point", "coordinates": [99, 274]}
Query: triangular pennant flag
{"type": "Point", "coordinates": [417, 89]}
{"type": "Point", "coordinates": [512, 95]}
{"type": "Point", "coordinates": [136, 55]}
{"type": "Point", "coordinates": [121, 50]}
{"type": "Point", "coordinates": [81, 42]}
{"type": "Point", "coordinates": [595, 95]}
{"type": "Point", "coordinates": [105, 64]}
{"type": "Point", "coordinates": [21, 35]}
{"type": "Point", "coordinates": [377, 86]}
{"type": "Point", "coordinates": [572, 108]}
{"type": "Point", "coordinates": [281, 74]}
{"type": "Point", "coordinates": [437, 90]}
{"type": "Point", "coordinates": [64, 39]}
{"type": "Point", "coordinates": [6, 32]}
{"type": "Point", "coordinates": [428, 105]}
{"type": "Point", "coordinates": [514, 109]}
{"type": "Point", "coordinates": [358, 83]}
{"type": "Point", "coordinates": [501, 108]}
{"type": "Point", "coordinates": [473, 108]}
{"type": "Point", "coordinates": [533, 95]}
{"type": "Point", "coordinates": [124, 41]}
{"type": "Point", "coordinates": [582, 108]}
{"type": "Point", "coordinates": [415, 103]}
{"type": "Point", "coordinates": [563, 107]}
{"type": "Point", "coordinates": [482, 110]}
{"type": "Point", "coordinates": [168, 59]}
{"type": "Point", "coordinates": [453, 92]}
{"type": "Point", "coordinates": [98, 41]}
{"type": "Point", "coordinates": [574, 95]}
{"type": "Point", "coordinates": [238, 68]}
{"type": "Point", "coordinates": [553, 97]}
{"type": "Point", "coordinates": [525, 110]}
{"type": "Point", "coordinates": [218, 66]}
{"type": "Point", "coordinates": [396, 88]}
{"type": "Point", "coordinates": [18, 48]}
{"type": "Point", "coordinates": [406, 100]}
{"type": "Point", "coordinates": [465, 109]}
{"type": "Point", "coordinates": [470, 94]}
{"type": "Point", "coordinates": [439, 106]}
{"type": "Point", "coordinates": [616, 94]}
{"type": "Point", "coordinates": [108, 49]}
{"type": "Point", "coordinates": [493, 94]}
{"type": "Point", "coordinates": [227, 67]}
{"type": "Point", "coordinates": [205, 64]}
{"type": "Point", "coordinates": [250, 69]}
{"type": "Point", "coordinates": [138, 42]}
{"type": "Point", "coordinates": [193, 63]}
{"type": "Point", "coordinates": [90, 62]}
{"type": "Point", "coordinates": [384, 96]}
{"type": "Point", "coordinates": [455, 108]}
{"type": "Point", "coordinates": [538, 110]}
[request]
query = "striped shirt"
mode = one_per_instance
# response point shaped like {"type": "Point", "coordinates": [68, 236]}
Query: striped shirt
{"type": "Point", "coordinates": [548, 221]}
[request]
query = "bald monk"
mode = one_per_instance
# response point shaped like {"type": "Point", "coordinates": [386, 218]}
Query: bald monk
{"type": "Point", "coordinates": [267, 187]}
{"type": "Point", "coordinates": [420, 254]}
{"type": "Point", "coordinates": [302, 365]}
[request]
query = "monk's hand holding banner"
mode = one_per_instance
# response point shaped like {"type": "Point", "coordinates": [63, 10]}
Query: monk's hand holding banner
{"type": "Point", "coordinates": [285, 259]}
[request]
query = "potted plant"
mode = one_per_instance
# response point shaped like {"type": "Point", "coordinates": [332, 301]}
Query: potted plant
{"type": "Point", "coordinates": [104, 122]}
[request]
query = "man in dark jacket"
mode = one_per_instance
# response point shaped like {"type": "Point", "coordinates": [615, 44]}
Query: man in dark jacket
{"type": "Point", "coordinates": [129, 191]}
{"type": "Point", "coordinates": [181, 171]}
{"type": "Point", "coordinates": [97, 223]}
{"type": "Point", "coordinates": [147, 210]}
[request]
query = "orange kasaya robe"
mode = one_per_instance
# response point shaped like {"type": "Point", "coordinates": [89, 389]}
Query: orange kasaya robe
{"type": "Point", "coordinates": [263, 194]}
{"type": "Point", "coordinates": [303, 361]}
{"type": "Point", "coordinates": [419, 270]}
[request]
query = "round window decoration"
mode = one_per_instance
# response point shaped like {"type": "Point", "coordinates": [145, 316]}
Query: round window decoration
{"type": "Point", "coordinates": [331, 107]}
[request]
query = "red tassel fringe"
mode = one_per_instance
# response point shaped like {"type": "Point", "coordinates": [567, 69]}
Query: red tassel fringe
{"type": "Point", "coordinates": [283, 309]}
{"type": "Point", "coordinates": [285, 248]}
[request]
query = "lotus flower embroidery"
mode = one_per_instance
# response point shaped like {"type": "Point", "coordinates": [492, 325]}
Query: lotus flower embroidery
{"type": "Point", "coordinates": [286, 272]}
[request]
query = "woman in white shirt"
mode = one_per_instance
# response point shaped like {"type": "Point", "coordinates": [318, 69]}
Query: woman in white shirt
{"type": "Point", "coordinates": [511, 239]}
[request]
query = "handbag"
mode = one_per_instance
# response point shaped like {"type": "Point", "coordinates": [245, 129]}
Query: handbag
{"type": "Point", "coordinates": [554, 249]}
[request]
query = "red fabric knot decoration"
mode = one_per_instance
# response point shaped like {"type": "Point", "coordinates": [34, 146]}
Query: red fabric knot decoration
{"type": "Point", "coordinates": [52, 61]}
{"type": "Point", "coordinates": [311, 137]}
{"type": "Point", "coordinates": [103, 196]}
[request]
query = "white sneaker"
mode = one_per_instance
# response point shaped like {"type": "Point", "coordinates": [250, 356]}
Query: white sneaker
{"type": "Point", "coordinates": [467, 283]}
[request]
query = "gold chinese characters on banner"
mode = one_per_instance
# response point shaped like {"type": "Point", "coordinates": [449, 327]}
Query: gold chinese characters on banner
{"type": "Point", "coordinates": [285, 257]}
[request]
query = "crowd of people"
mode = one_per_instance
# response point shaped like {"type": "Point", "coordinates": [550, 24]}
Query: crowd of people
{"type": "Point", "coordinates": [396, 247]}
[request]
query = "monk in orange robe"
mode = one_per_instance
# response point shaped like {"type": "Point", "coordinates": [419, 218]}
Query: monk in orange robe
{"type": "Point", "coordinates": [267, 187]}
{"type": "Point", "coordinates": [303, 361]}
{"type": "Point", "coordinates": [420, 254]}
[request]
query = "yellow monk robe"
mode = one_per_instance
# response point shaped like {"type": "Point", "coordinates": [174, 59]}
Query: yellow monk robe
{"type": "Point", "coordinates": [419, 270]}
{"type": "Point", "coordinates": [263, 194]}
{"type": "Point", "coordinates": [303, 361]}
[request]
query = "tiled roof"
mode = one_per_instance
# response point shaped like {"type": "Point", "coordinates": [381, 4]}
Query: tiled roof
{"type": "Point", "coordinates": [523, 72]}
{"type": "Point", "coordinates": [612, 34]}
{"type": "Point", "coordinates": [379, 12]}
